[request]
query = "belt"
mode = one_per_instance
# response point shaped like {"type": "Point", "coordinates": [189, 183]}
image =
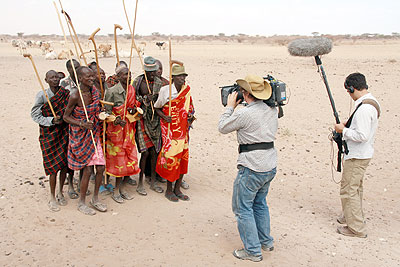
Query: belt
{"type": "Point", "coordinates": [256, 146]}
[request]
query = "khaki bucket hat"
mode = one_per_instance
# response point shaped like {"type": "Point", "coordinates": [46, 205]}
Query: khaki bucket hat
{"type": "Point", "coordinates": [178, 70]}
{"type": "Point", "coordinates": [256, 86]}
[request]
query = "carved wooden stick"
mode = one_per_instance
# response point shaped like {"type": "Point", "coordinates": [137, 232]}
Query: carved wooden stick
{"type": "Point", "coordinates": [41, 84]}
{"type": "Point", "coordinates": [79, 88]}
{"type": "Point", "coordinates": [68, 19]}
{"type": "Point", "coordinates": [116, 26]}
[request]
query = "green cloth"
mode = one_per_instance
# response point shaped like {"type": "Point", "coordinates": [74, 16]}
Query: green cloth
{"type": "Point", "coordinates": [151, 120]}
{"type": "Point", "coordinates": [116, 95]}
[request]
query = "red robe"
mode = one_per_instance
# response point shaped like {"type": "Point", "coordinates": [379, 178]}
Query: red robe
{"type": "Point", "coordinates": [173, 159]}
{"type": "Point", "coordinates": [122, 159]}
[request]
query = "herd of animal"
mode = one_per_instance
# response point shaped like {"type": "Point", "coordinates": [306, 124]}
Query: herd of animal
{"type": "Point", "coordinates": [103, 50]}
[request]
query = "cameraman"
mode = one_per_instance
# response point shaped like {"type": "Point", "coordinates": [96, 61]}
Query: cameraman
{"type": "Point", "coordinates": [256, 125]}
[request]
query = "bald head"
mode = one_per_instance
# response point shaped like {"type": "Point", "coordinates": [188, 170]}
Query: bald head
{"type": "Point", "coordinates": [52, 78]}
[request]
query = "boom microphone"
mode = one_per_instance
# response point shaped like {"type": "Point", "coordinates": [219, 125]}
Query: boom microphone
{"type": "Point", "coordinates": [310, 47]}
{"type": "Point", "coordinates": [315, 47]}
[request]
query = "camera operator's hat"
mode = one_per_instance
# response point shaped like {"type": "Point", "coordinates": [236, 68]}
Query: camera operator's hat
{"type": "Point", "coordinates": [178, 70]}
{"type": "Point", "coordinates": [256, 86]}
{"type": "Point", "coordinates": [150, 64]}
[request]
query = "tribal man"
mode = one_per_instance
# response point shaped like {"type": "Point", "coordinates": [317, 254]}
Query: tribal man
{"type": "Point", "coordinates": [82, 154]}
{"type": "Point", "coordinates": [69, 82]}
{"type": "Point", "coordinates": [53, 136]}
{"type": "Point", "coordinates": [173, 159]}
{"type": "Point", "coordinates": [148, 133]}
{"type": "Point", "coordinates": [113, 80]}
{"type": "Point", "coordinates": [122, 160]}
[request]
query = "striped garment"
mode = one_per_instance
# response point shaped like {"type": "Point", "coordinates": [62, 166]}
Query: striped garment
{"type": "Point", "coordinates": [81, 147]}
{"type": "Point", "coordinates": [54, 139]}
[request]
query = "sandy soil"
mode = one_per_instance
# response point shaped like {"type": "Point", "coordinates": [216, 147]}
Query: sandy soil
{"type": "Point", "coordinates": [151, 231]}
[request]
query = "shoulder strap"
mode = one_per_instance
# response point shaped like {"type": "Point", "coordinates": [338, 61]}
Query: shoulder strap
{"type": "Point", "coordinates": [374, 104]}
{"type": "Point", "coordinates": [348, 123]}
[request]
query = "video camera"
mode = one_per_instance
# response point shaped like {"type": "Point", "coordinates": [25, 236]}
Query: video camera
{"type": "Point", "coordinates": [277, 99]}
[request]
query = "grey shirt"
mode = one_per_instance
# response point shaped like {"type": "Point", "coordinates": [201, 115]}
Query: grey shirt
{"type": "Point", "coordinates": [36, 111]}
{"type": "Point", "coordinates": [68, 83]}
{"type": "Point", "coordinates": [254, 123]}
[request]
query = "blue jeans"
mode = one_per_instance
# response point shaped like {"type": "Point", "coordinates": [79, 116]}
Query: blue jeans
{"type": "Point", "coordinates": [250, 207]}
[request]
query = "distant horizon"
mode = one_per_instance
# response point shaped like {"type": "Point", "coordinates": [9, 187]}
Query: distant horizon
{"type": "Point", "coordinates": [394, 34]}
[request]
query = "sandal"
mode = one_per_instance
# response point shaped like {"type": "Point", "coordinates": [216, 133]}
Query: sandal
{"type": "Point", "coordinates": [60, 199]}
{"type": "Point", "coordinates": [141, 191]}
{"type": "Point", "coordinates": [117, 198]}
{"type": "Point", "coordinates": [53, 206]}
{"type": "Point", "coordinates": [132, 181]}
{"type": "Point", "coordinates": [171, 197]}
{"type": "Point", "coordinates": [86, 210]}
{"type": "Point", "coordinates": [157, 189]}
{"type": "Point", "coordinates": [125, 195]}
{"type": "Point", "coordinates": [72, 194]}
{"type": "Point", "coordinates": [183, 197]}
{"type": "Point", "coordinates": [98, 206]}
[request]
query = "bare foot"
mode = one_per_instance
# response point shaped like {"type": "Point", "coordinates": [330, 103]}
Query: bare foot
{"type": "Point", "coordinates": [53, 205]}
{"type": "Point", "coordinates": [85, 209]}
{"type": "Point", "coordinates": [60, 199]}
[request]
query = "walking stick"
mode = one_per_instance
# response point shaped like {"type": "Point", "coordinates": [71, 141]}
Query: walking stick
{"type": "Point", "coordinates": [171, 62]}
{"type": "Point", "coordinates": [170, 82]}
{"type": "Point", "coordinates": [41, 84]}
{"type": "Point", "coordinates": [101, 88]}
{"type": "Point", "coordinates": [116, 26]}
{"type": "Point", "coordinates": [133, 45]}
{"type": "Point", "coordinates": [73, 41]}
{"type": "Point", "coordinates": [68, 19]}
{"type": "Point", "coordinates": [79, 88]}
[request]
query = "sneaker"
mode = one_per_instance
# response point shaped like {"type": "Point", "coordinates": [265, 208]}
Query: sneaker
{"type": "Point", "coordinates": [341, 219]}
{"type": "Point", "coordinates": [344, 230]}
{"type": "Point", "coordinates": [243, 255]}
{"type": "Point", "coordinates": [267, 248]}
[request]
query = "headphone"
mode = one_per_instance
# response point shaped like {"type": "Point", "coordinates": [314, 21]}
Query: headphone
{"type": "Point", "coordinates": [351, 89]}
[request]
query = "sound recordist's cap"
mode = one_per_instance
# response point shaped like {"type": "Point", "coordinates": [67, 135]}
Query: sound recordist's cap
{"type": "Point", "coordinates": [256, 86]}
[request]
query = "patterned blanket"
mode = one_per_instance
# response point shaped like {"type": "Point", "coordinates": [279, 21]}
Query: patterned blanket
{"type": "Point", "coordinates": [54, 139]}
{"type": "Point", "coordinates": [80, 147]}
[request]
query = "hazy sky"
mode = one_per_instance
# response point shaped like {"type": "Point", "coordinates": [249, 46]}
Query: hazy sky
{"type": "Point", "coordinates": [180, 17]}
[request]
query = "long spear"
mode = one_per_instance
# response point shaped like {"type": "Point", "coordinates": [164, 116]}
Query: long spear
{"type": "Point", "coordinates": [68, 20]}
{"type": "Point", "coordinates": [79, 88]}
{"type": "Point", "coordinates": [41, 84]}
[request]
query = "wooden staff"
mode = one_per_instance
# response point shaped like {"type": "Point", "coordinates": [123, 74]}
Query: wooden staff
{"type": "Point", "coordinates": [101, 88]}
{"type": "Point", "coordinates": [133, 45]}
{"type": "Point", "coordinates": [170, 82]}
{"type": "Point", "coordinates": [79, 88]}
{"type": "Point", "coordinates": [116, 26]}
{"type": "Point", "coordinates": [73, 41]}
{"type": "Point", "coordinates": [41, 84]}
{"type": "Point", "coordinates": [68, 19]}
{"type": "Point", "coordinates": [130, 55]}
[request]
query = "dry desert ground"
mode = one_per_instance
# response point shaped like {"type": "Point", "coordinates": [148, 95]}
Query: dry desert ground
{"type": "Point", "coordinates": [152, 231]}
